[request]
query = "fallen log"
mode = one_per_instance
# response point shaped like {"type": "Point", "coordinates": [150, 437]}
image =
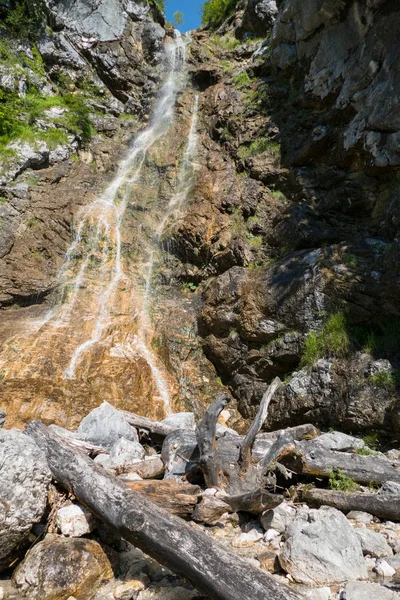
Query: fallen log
{"type": "Point", "coordinates": [384, 507]}
{"type": "Point", "coordinates": [311, 458]}
{"type": "Point", "coordinates": [149, 425]}
{"type": "Point", "coordinates": [180, 546]}
{"type": "Point", "coordinates": [177, 497]}
{"type": "Point", "coordinates": [152, 468]}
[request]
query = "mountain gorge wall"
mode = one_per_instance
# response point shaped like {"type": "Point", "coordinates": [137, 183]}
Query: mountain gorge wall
{"type": "Point", "coordinates": [285, 258]}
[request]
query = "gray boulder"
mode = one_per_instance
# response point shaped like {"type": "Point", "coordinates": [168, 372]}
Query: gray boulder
{"type": "Point", "coordinates": [24, 479]}
{"type": "Point", "coordinates": [365, 590]}
{"type": "Point", "coordinates": [321, 547]}
{"type": "Point", "coordinates": [181, 420]}
{"type": "Point", "coordinates": [278, 518]}
{"type": "Point", "coordinates": [105, 426]}
{"type": "Point", "coordinates": [373, 543]}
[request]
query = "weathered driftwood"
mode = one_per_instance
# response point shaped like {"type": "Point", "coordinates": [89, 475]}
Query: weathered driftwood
{"type": "Point", "coordinates": [177, 497]}
{"type": "Point", "coordinates": [210, 509]}
{"type": "Point", "coordinates": [384, 507]}
{"type": "Point", "coordinates": [205, 435]}
{"type": "Point", "coordinates": [254, 502]}
{"type": "Point", "coordinates": [247, 444]}
{"type": "Point", "coordinates": [180, 452]}
{"type": "Point", "coordinates": [149, 425]}
{"type": "Point", "coordinates": [152, 468]}
{"type": "Point", "coordinates": [311, 458]}
{"type": "Point", "coordinates": [183, 548]}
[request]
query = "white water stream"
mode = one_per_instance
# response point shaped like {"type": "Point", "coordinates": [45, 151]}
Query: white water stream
{"type": "Point", "coordinates": [94, 260]}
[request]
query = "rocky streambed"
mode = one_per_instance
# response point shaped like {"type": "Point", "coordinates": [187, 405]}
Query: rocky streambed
{"type": "Point", "coordinates": [54, 547]}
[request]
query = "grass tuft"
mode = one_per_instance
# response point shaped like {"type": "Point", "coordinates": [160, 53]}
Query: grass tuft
{"type": "Point", "coordinates": [333, 340]}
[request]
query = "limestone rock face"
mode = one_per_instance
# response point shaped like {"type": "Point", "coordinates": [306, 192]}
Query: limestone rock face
{"type": "Point", "coordinates": [24, 479]}
{"type": "Point", "coordinates": [322, 547]}
{"type": "Point", "coordinates": [63, 567]}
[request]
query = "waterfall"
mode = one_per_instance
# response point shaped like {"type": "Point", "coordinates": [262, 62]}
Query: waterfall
{"type": "Point", "coordinates": [99, 305]}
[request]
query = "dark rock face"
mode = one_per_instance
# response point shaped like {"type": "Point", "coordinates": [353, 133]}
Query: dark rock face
{"type": "Point", "coordinates": [309, 122]}
{"type": "Point", "coordinates": [259, 16]}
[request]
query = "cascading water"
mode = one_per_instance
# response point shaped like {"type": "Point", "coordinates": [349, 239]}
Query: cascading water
{"type": "Point", "coordinates": [102, 308]}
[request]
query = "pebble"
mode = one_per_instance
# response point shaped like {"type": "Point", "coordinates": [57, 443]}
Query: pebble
{"type": "Point", "coordinates": [247, 539]}
{"type": "Point", "coordinates": [271, 535]}
{"type": "Point", "coordinates": [75, 520]}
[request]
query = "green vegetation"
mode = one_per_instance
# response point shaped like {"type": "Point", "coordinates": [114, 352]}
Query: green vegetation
{"type": "Point", "coordinates": [216, 11]}
{"type": "Point", "coordinates": [189, 286]}
{"type": "Point", "coordinates": [332, 340]}
{"type": "Point", "coordinates": [380, 339]}
{"type": "Point", "coordinates": [260, 146]}
{"type": "Point", "coordinates": [278, 195]}
{"type": "Point", "coordinates": [255, 241]}
{"type": "Point", "coordinates": [178, 17]}
{"type": "Point", "coordinates": [226, 42]}
{"type": "Point", "coordinates": [350, 260]}
{"type": "Point", "coordinates": [384, 379]}
{"type": "Point", "coordinates": [339, 481]}
{"type": "Point", "coordinates": [24, 18]}
{"type": "Point", "coordinates": [18, 118]}
{"type": "Point", "coordinates": [371, 440]}
{"type": "Point", "coordinates": [365, 452]}
{"type": "Point", "coordinates": [242, 79]}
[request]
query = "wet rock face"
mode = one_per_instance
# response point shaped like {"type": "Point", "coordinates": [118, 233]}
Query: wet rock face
{"type": "Point", "coordinates": [61, 567]}
{"type": "Point", "coordinates": [24, 479]}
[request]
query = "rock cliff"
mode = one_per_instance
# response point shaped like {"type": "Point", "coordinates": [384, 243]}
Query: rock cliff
{"type": "Point", "coordinates": [285, 252]}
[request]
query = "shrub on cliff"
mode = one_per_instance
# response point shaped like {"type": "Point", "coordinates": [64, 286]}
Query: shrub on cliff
{"type": "Point", "coordinates": [216, 11]}
{"type": "Point", "coordinates": [24, 18]}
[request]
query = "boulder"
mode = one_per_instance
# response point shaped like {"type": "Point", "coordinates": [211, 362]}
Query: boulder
{"type": "Point", "coordinates": [278, 518]}
{"type": "Point", "coordinates": [75, 520]}
{"type": "Point", "coordinates": [365, 590]}
{"type": "Point", "coordinates": [360, 516]}
{"type": "Point", "coordinates": [373, 543]}
{"type": "Point", "coordinates": [321, 547]}
{"type": "Point", "coordinates": [181, 420]}
{"type": "Point", "coordinates": [323, 593]}
{"type": "Point", "coordinates": [105, 426]}
{"type": "Point", "coordinates": [61, 568]}
{"type": "Point", "coordinates": [24, 480]}
{"type": "Point", "coordinates": [383, 569]}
